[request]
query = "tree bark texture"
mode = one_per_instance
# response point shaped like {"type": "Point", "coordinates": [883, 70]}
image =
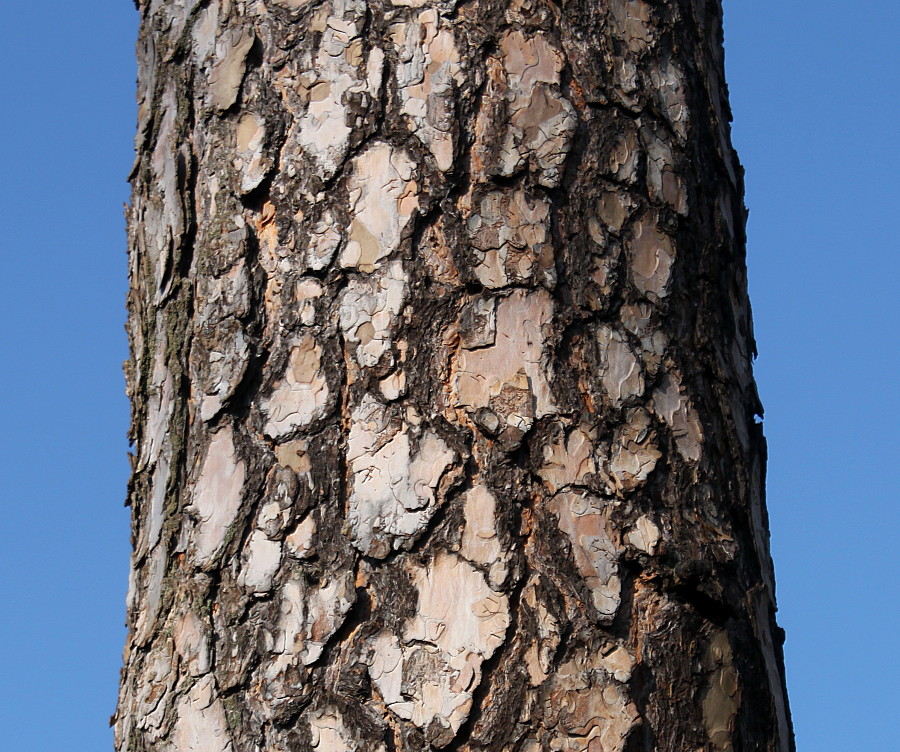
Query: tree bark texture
{"type": "Point", "coordinates": [445, 429]}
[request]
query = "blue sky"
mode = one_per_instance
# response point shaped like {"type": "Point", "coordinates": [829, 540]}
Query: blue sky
{"type": "Point", "coordinates": [815, 98]}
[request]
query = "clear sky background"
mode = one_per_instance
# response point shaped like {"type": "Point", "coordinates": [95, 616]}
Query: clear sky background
{"type": "Point", "coordinates": [815, 98]}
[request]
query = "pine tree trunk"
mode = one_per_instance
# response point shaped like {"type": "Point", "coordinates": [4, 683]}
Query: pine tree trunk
{"type": "Point", "coordinates": [446, 433]}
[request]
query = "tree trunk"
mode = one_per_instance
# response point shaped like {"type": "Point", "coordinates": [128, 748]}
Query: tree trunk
{"type": "Point", "coordinates": [446, 433]}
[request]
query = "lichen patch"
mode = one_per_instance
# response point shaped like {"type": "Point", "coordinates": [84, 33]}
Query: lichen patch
{"type": "Point", "coordinates": [620, 370]}
{"type": "Point", "coordinates": [383, 197]}
{"type": "Point", "coordinates": [584, 521]}
{"type": "Point", "coordinates": [567, 459]}
{"type": "Point", "coordinates": [217, 494]}
{"type": "Point", "coordinates": [721, 696]}
{"type": "Point", "coordinates": [200, 724]}
{"type": "Point", "coordinates": [644, 536]}
{"type": "Point", "coordinates": [652, 255]}
{"type": "Point", "coordinates": [301, 395]}
{"type": "Point", "coordinates": [480, 543]}
{"type": "Point", "coordinates": [330, 733]}
{"type": "Point", "coordinates": [368, 310]}
{"type": "Point", "coordinates": [510, 377]}
{"type": "Point", "coordinates": [228, 71]}
{"type": "Point", "coordinates": [395, 486]}
{"type": "Point", "coordinates": [675, 408]}
{"type": "Point", "coordinates": [588, 710]}
{"type": "Point", "coordinates": [310, 615]}
{"type": "Point", "coordinates": [634, 453]}
{"type": "Point", "coordinates": [540, 121]}
{"type": "Point", "coordinates": [428, 674]}
{"type": "Point", "coordinates": [511, 240]}
{"type": "Point", "coordinates": [427, 75]}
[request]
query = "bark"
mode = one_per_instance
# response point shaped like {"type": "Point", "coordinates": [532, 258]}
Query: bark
{"type": "Point", "coordinates": [445, 428]}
